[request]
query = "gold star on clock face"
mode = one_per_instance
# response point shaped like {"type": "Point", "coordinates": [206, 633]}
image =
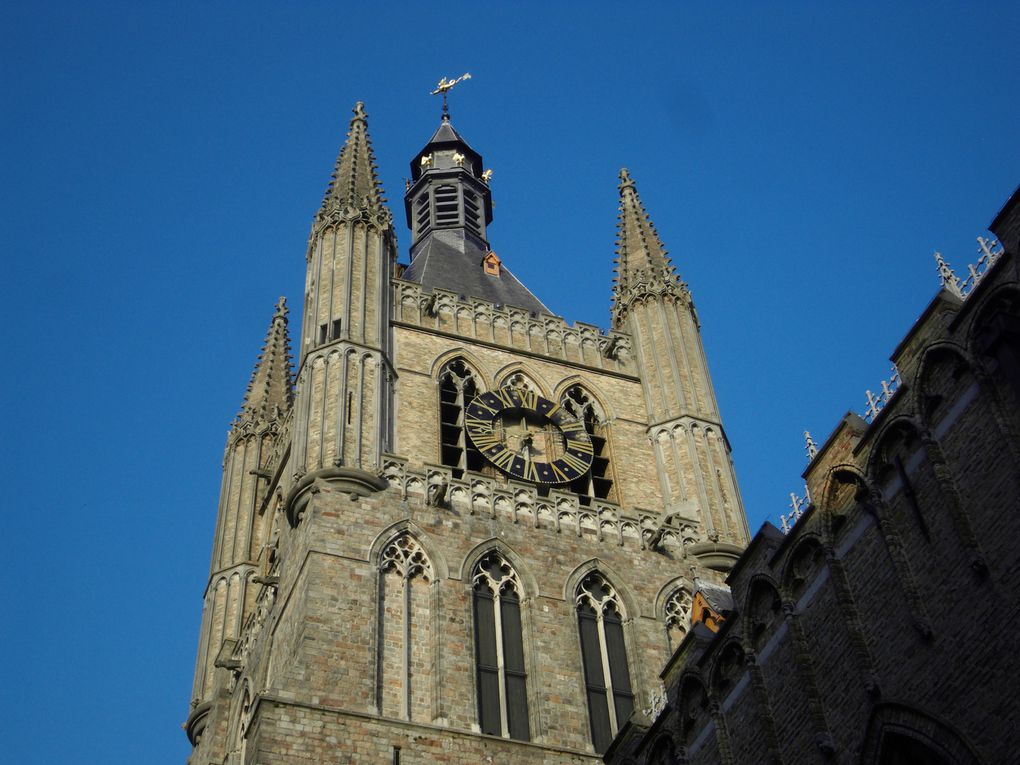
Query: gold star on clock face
{"type": "Point", "coordinates": [529, 437]}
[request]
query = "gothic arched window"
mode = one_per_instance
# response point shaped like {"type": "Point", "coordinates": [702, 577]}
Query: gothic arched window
{"type": "Point", "coordinates": [405, 640]}
{"type": "Point", "coordinates": [520, 382]}
{"type": "Point", "coordinates": [499, 649]}
{"type": "Point", "coordinates": [597, 482]}
{"type": "Point", "coordinates": [604, 655]}
{"type": "Point", "coordinates": [457, 387]}
{"type": "Point", "coordinates": [678, 617]}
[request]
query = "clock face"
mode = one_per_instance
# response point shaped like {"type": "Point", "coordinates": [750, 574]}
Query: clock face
{"type": "Point", "coordinates": [528, 436]}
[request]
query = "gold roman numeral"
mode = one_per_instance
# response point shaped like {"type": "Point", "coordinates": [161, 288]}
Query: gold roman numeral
{"type": "Point", "coordinates": [503, 459]}
{"type": "Point", "coordinates": [580, 445]}
{"type": "Point", "coordinates": [484, 405]}
{"type": "Point", "coordinates": [575, 462]}
{"type": "Point", "coordinates": [561, 477]}
{"type": "Point", "coordinates": [485, 442]}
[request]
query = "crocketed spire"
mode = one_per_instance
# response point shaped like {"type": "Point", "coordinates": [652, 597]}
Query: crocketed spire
{"type": "Point", "coordinates": [354, 182]}
{"type": "Point", "coordinates": [270, 387]}
{"type": "Point", "coordinates": [642, 264]}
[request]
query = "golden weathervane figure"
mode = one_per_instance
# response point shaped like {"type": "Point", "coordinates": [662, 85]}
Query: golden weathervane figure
{"type": "Point", "coordinates": [444, 87]}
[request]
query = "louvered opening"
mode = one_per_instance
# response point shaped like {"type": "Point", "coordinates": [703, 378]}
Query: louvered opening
{"type": "Point", "coordinates": [597, 483]}
{"type": "Point", "coordinates": [472, 216]}
{"type": "Point", "coordinates": [457, 388]}
{"type": "Point", "coordinates": [421, 215]}
{"type": "Point", "coordinates": [447, 212]}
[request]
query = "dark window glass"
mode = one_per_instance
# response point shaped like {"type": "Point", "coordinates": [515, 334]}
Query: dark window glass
{"type": "Point", "coordinates": [499, 650]}
{"type": "Point", "coordinates": [610, 700]}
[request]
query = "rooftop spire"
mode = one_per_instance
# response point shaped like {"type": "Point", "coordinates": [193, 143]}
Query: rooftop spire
{"type": "Point", "coordinates": [641, 258]}
{"type": "Point", "coordinates": [354, 182]}
{"type": "Point", "coordinates": [270, 384]}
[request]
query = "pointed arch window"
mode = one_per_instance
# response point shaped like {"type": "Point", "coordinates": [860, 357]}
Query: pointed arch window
{"type": "Point", "coordinates": [499, 649]}
{"type": "Point", "coordinates": [405, 626]}
{"type": "Point", "coordinates": [678, 617]}
{"type": "Point", "coordinates": [604, 656]}
{"type": "Point", "coordinates": [520, 382]}
{"type": "Point", "coordinates": [457, 386]}
{"type": "Point", "coordinates": [598, 482]}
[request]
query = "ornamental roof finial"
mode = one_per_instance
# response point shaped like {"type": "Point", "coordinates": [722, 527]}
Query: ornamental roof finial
{"type": "Point", "coordinates": [950, 282]}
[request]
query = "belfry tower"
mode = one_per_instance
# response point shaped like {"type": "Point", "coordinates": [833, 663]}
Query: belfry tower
{"type": "Point", "coordinates": [470, 531]}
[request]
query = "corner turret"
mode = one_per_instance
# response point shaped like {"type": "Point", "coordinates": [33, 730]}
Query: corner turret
{"type": "Point", "coordinates": [693, 461]}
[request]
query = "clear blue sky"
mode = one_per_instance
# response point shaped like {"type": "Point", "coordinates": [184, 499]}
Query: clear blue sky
{"type": "Point", "coordinates": [161, 163]}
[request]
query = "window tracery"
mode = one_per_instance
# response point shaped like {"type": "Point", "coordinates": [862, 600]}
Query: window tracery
{"type": "Point", "coordinates": [457, 387]}
{"type": "Point", "coordinates": [604, 656]}
{"type": "Point", "coordinates": [499, 649]}
{"type": "Point", "coordinates": [678, 616]}
{"type": "Point", "coordinates": [405, 630]}
{"type": "Point", "coordinates": [598, 481]}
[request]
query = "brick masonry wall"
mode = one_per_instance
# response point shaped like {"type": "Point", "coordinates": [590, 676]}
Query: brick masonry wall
{"type": "Point", "coordinates": [897, 589]}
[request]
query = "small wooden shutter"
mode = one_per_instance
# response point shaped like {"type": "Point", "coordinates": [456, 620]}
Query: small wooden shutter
{"type": "Point", "coordinates": [513, 662]}
{"type": "Point", "coordinates": [485, 656]}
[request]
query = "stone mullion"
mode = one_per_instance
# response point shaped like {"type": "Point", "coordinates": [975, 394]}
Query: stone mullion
{"type": "Point", "coordinates": [805, 670]}
{"type": "Point", "coordinates": [606, 670]}
{"type": "Point", "coordinates": [948, 490]}
{"type": "Point", "coordinates": [761, 695]}
{"type": "Point", "coordinates": [851, 620]}
{"type": "Point", "coordinates": [722, 733]}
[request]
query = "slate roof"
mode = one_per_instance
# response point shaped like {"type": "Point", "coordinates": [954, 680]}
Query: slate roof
{"type": "Point", "coordinates": [452, 260]}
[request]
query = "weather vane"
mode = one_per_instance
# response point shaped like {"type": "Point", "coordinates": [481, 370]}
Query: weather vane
{"type": "Point", "coordinates": [443, 87]}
